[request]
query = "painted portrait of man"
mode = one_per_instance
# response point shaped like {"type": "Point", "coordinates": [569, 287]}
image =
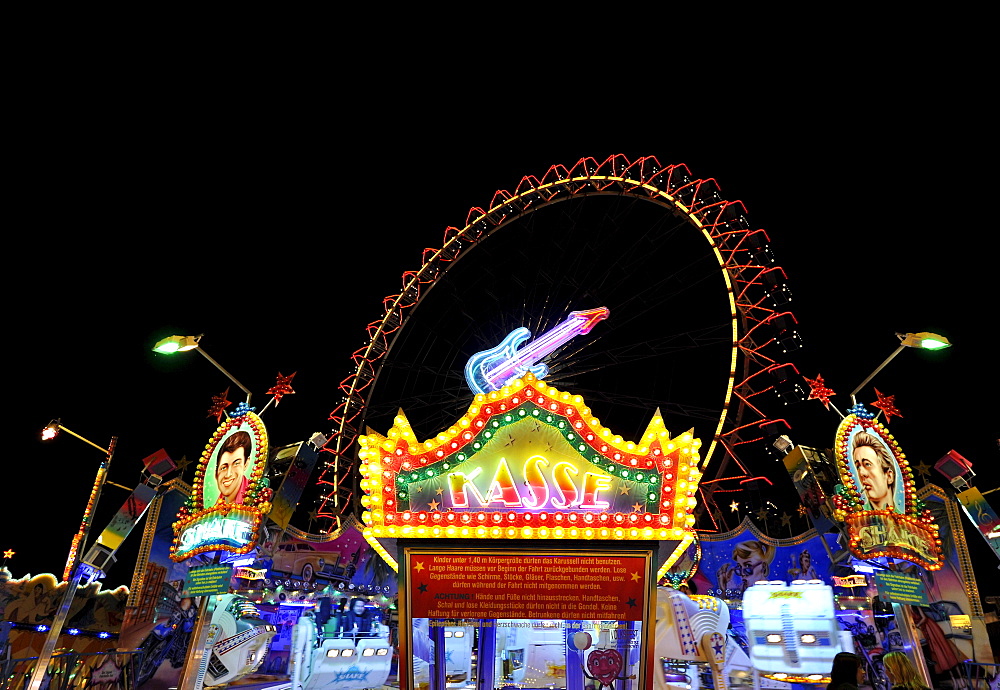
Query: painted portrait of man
{"type": "Point", "coordinates": [876, 471]}
{"type": "Point", "coordinates": [234, 458]}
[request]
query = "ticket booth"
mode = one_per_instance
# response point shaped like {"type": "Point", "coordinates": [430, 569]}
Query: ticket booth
{"type": "Point", "coordinates": [528, 539]}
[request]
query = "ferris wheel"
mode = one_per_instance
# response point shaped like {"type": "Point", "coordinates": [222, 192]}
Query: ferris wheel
{"type": "Point", "coordinates": [698, 319]}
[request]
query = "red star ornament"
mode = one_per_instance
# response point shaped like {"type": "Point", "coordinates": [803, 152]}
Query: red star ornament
{"type": "Point", "coordinates": [281, 387]}
{"type": "Point", "coordinates": [219, 405]}
{"type": "Point", "coordinates": [819, 391]}
{"type": "Point", "coordinates": [887, 404]}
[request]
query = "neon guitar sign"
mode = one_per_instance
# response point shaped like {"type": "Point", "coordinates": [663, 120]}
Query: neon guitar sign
{"type": "Point", "coordinates": [490, 369]}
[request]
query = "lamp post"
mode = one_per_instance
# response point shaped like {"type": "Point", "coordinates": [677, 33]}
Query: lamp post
{"type": "Point", "coordinates": [921, 341]}
{"type": "Point", "coordinates": [183, 343]}
{"type": "Point", "coordinates": [75, 568]}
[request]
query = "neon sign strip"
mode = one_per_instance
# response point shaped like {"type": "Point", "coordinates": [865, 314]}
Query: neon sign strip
{"type": "Point", "coordinates": [490, 369]}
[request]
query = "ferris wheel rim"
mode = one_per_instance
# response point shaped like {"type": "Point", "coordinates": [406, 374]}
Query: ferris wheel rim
{"type": "Point", "coordinates": [722, 223]}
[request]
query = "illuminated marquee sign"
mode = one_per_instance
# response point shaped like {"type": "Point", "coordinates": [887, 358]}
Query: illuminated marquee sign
{"type": "Point", "coordinates": [877, 499]}
{"type": "Point", "coordinates": [850, 581]}
{"type": "Point", "coordinates": [230, 496]}
{"type": "Point", "coordinates": [529, 462]}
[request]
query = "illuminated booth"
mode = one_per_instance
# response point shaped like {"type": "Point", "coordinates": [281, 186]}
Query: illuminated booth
{"type": "Point", "coordinates": [528, 539]}
{"type": "Point", "coordinates": [219, 522]}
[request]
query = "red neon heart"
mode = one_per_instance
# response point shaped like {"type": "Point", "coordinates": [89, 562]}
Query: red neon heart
{"type": "Point", "coordinates": [605, 665]}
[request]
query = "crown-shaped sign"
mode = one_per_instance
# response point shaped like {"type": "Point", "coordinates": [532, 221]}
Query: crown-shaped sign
{"type": "Point", "coordinates": [529, 462]}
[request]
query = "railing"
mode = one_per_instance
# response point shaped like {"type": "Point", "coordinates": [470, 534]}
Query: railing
{"type": "Point", "coordinates": [978, 675]}
{"type": "Point", "coordinates": [73, 671]}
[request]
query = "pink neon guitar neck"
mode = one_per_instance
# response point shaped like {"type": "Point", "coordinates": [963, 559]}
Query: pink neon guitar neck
{"type": "Point", "coordinates": [576, 323]}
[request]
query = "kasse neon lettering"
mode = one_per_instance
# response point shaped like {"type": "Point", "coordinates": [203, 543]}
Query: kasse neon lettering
{"type": "Point", "coordinates": [561, 491]}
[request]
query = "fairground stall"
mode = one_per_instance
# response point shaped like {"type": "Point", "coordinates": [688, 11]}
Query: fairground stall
{"type": "Point", "coordinates": [225, 586]}
{"type": "Point", "coordinates": [528, 539]}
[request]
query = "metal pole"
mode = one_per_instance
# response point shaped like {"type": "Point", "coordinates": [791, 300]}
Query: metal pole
{"type": "Point", "coordinates": [872, 375]}
{"type": "Point", "coordinates": [911, 638]}
{"type": "Point", "coordinates": [76, 569]}
{"type": "Point", "coordinates": [228, 375]}
{"type": "Point", "coordinates": [196, 648]}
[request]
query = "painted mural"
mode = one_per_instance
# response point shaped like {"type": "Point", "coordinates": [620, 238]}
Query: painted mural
{"type": "Point", "coordinates": [160, 619]}
{"type": "Point", "coordinates": [302, 569]}
{"type": "Point", "coordinates": [33, 600]}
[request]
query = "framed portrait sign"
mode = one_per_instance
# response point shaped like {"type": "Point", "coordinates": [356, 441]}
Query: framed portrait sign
{"type": "Point", "coordinates": [877, 499]}
{"type": "Point", "coordinates": [228, 498]}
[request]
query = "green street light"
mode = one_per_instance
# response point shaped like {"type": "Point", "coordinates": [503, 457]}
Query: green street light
{"type": "Point", "coordinates": [183, 343]}
{"type": "Point", "coordinates": [920, 341]}
{"type": "Point", "coordinates": [176, 343]}
{"type": "Point", "coordinates": [923, 341]}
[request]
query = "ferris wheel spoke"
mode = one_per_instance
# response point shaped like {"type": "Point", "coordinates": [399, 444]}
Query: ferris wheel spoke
{"type": "Point", "coordinates": [616, 234]}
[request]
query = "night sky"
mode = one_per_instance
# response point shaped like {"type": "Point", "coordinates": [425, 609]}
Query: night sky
{"type": "Point", "coordinates": [279, 245]}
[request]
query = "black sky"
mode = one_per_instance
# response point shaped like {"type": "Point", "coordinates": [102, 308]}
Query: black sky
{"type": "Point", "coordinates": [277, 236]}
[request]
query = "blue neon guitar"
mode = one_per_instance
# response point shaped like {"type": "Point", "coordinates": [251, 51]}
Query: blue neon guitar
{"type": "Point", "coordinates": [490, 369]}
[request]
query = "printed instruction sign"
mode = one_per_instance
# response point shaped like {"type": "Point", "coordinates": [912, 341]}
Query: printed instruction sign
{"type": "Point", "coordinates": [606, 586]}
{"type": "Point", "coordinates": [208, 580]}
{"type": "Point", "coordinates": [901, 588]}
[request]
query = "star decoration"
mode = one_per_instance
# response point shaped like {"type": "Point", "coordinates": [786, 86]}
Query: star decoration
{"type": "Point", "coordinates": [786, 520]}
{"type": "Point", "coordinates": [819, 390]}
{"type": "Point", "coordinates": [635, 577]}
{"type": "Point", "coordinates": [242, 410]}
{"type": "Point", "coordinates": [9, 553]}
{"type": "Point", "coordinates": [623, 490]}
{"type": "Point", "coordinates": [861, 411]}
{"type": "Point", "coordinates": [419, 567]}
{"type": "Point", "coordinates": [887, 404]}
{"type": "Point", "coordinates": [313, 514]}
{"type": "Point", "coordinates": [510, 441]}
{"type": "Point", "coordinates": [802, 511]}
{"type": "Point", "coordinates": [183, 464]}
{"type": "Point", "coordinates": [433, 505]}
{"type": "Point", "coordinates": [422, 588]}
{"type": "Point", "coordinates": [631, 603]}
{"type": "Point", "coordinates": [439, 492]}
{"type": "Point", "coordinates": [281, 387]}
{"type": "Point", "coordinates": [636, 507]}
{"type": "Point", "coordinates": [924, 469]}
{"type": "Point", "coordinates": [734, 507]}
{"type": "Point", "coordinates": [219, 404]}
{"type": "Point", "coordinates": [761, 514]}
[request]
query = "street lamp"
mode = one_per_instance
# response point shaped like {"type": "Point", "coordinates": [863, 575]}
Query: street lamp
{"type": "Point", "coordinates": [183, 343]}
{"type": "Point", "coordinates": [921, 341]}
{"type": "Point", "coordinates": [75, 567]}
